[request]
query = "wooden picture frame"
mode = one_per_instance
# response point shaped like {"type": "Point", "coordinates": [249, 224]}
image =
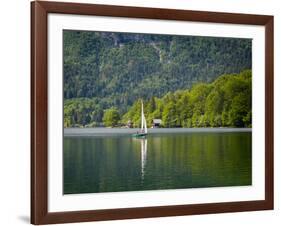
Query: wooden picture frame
{"type": "Point", "coordinates": [39, 112]}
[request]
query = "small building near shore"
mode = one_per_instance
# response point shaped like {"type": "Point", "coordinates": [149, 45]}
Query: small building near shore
{"type": "Point", "coordinates": [156, 123]}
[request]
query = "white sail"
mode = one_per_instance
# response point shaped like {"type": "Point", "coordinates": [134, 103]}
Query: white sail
{"type": "Point", "coordinates": [145, 127]}
{"type": "Point", "coordinates": [143, 121]}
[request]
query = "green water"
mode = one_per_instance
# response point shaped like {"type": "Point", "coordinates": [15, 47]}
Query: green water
{"type": "Point", "coordinates": [162, 161]}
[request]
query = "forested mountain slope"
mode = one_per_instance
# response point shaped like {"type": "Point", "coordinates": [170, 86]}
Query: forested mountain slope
{"type": "Point", "coordinates": [118, 68]}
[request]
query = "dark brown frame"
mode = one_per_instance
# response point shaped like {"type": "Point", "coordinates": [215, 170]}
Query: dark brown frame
{"type": "Point", "coordinates": [39, 109]}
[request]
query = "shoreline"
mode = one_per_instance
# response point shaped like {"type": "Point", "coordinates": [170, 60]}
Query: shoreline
{"type": "Point", "coordinates": [70, 132]}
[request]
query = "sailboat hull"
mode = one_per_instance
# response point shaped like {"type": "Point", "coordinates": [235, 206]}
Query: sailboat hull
{"type": "Point", "coordinates": [139, 135]}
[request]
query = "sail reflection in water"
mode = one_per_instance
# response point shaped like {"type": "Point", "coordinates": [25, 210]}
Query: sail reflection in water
{"type": "Point", "coordinates": [143, 156]}
{"type": "Point", "coordinates": [111, 163]}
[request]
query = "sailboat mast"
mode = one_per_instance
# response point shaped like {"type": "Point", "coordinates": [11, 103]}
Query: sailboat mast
{"type": "Point", "coordinates": [142, 116]}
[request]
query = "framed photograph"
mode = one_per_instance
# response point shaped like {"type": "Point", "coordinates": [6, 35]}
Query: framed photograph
{"type": "Point", "coordinates": [147, 112]}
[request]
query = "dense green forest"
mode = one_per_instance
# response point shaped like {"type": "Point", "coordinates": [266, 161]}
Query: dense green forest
{"type": "Point", "coordinates": [226, 102]}
{"type": "Point", "coordinates": [106, 70]}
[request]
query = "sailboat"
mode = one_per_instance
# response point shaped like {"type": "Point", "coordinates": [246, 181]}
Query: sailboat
{"type": "Point", "coordinates": [143, 131]}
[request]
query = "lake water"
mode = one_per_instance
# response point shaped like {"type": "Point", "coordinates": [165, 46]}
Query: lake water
{"type": "Point", "coordinates": [110, 160]}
